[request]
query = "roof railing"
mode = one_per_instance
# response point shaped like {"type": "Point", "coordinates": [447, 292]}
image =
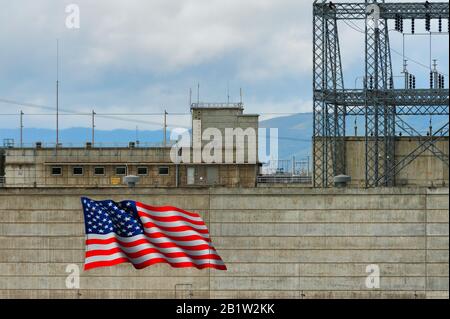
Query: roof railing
{"type": "Point", "coordinates": [217, 105]}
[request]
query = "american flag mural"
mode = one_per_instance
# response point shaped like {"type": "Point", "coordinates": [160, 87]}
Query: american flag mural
{"type": "Point", "coordinates": [144, 235]}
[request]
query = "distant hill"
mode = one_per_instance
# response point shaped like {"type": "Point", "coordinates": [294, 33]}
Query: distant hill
{"type": "Point", "coordinates": [77, 136]}
{"type": "Point", "coordinates": [294, 133]}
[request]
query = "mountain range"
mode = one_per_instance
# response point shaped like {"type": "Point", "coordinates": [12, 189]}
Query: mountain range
{"type": "Point", "coordinates": [294, 133]}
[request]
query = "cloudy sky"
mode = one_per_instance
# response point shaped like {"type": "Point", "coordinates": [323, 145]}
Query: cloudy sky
{"type": "Point", "coordinates": [144, 56]}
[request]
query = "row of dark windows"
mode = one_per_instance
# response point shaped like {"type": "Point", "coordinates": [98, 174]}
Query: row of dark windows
{"type": "Point", "coordinates": [119, 170]}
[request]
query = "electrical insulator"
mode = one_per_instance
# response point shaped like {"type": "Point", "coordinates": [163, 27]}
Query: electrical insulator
{"type": "Point", "coordinates": [412, 26]}
{"type": "Point", "coordinates": [371, 82]}
{"type": "Point", "coordinates": [431, 80]}
{"type": "Point", "coordinates": [391, 83]}
{"type": "Point", "coordinates": [398, 23]}
{"type": "Point", "coordinates": [427, 22]}
{"type": "Point", "coordinates": [410, 81]}
{"type": "Point", "coordinates": [401, 25]}
{"type": "Point", "coordinates": [443, 82]}
{"type": "Point", "coordinates": [440, 24]}
{"type": "Point", "coordinates": [414, 81]}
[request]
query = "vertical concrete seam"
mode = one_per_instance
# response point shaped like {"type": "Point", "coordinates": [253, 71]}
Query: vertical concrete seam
{"type": "Point", "coordinates": [426, 242]}
{"type": "Point", "coordinates": [211, 236]}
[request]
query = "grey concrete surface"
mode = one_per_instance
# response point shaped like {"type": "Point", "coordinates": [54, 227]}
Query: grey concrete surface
{"type": "Point", "coordinates": [277, 243]}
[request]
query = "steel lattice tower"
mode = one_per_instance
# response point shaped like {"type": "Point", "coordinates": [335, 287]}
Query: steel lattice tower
{"type": "Point", "coordinates": [378, 102]}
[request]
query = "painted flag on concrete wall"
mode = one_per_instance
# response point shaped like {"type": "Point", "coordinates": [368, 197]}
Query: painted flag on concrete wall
{"type": "Point", "coordinates": [129, 231]}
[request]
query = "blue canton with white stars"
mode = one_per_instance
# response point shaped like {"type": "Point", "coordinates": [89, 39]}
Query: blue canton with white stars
{"type": "Point", "coordinates": [106, 216]}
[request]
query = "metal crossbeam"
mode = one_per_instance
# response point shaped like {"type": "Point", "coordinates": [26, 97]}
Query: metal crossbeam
{"type": "Point", "coordinates": [411, 131]}
{"type": "Point", "coordinates": [357, 11]}
{"type": "Point", "coordinates": [425, 145]}
{"type": "Point", "coordinates": [405, 100]}
{"type": "Point", "coordinates": [379, 102]}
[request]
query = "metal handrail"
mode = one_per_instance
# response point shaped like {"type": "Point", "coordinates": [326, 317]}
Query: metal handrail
{"type": "Point", "coordinates": [283, 179]}
{"type": "Point", "coordinates": [217, 105]}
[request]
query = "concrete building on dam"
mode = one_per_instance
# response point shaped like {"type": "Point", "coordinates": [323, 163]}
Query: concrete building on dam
{"type": "Point", "coordinates": [105, 167]}
{"type": "Point", "coordinates": [93, 166]}
{"type": "Point", "coordinates": [426, 170]}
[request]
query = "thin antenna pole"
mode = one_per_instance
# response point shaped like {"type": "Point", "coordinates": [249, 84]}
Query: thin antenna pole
{"type": "Point", "coordinates": [198, 93]}
{"type": "Point", "coordinates": [165, 128]}
{"type": "Point", "coordinates": [430, 51]}
{"type": "Point", "coordinates": [190, 97]}
{"type": "Point", "coordinates": [93, 127]}
{"type": "Point", "coordinates": [228, 92]}
{"type": "Point", "coordinates": [430, 127]}
{"type": "Point", "coordinates": [57, 92]}
{"type": "Point", "coordinates": [21, 128]}
{"type": "Point", "coordinates": [240, 94]}
{"type": "Point", "coordinates": [136, 136]}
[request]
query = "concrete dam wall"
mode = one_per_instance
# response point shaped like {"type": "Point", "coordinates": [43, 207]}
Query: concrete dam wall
{"type": "Point", "coordinates": [276, 243]}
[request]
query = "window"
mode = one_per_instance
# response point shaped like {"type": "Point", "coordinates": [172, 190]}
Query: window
{"type": "Point", "coordinates": [163, 170]}
{"type": "Point", "coordinates": [190, 175]}
{"type": "Point", "coordinates": [99, 171]}
{"type": "Point", "coordinates": [56, 170]}
{"type": "Point", "coordinates": [142, 170]}
{"type": "Point", "coordinates": [121, 170]}
{"type": "Point", "coordinates": [77, 171]}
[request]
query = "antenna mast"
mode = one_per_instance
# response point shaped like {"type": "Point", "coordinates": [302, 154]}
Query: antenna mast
{"type": "Point", "coordinates": [57, 92]}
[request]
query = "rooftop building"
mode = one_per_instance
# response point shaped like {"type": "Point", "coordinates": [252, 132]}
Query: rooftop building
{"type": "Point", "coordinates": [95, 166]}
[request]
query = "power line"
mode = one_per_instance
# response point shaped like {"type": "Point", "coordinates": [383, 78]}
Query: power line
{"type": "Point", "coordinates": [356, 28]}
{"type": "Point", "coordinates": [414, 61]}
{"type": "Point", "coordinates": [69, 112]}
{"type": "Point", "coordinates": [353, 26]}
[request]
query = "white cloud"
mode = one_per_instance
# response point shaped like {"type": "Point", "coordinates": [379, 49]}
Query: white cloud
{"type": "Point", "coordinates": [175, 42]}
{"type": "Point", "coordinates": [166, 36]}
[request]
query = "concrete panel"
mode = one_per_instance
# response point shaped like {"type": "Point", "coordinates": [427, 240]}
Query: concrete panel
{"type": "Point", "coordinates": [437, 256]}
{"type": "Point", "coordinates": [40, 216]}
{"type": "Point", "coordinates": [316, 229]}
{"type": "Point", "coordinates": [437, 283]}
{"type": "Point", "coordinates": [314, 283]}
{"type": "Point", "coordinates": [42, 229]}
{"type": "Point", "coordinates": [324, 242]}
{"type": "Point", "coordinates": [436, 270]}
{"type": "Point", "coordinates": [437, 294]}
{"type": "Point", "coordinates": [104, 283]}
{"type": "Point", "coordinates": [276, 242]}
{"type": "Point", "coordinates": [437, 216]}
{"type": "Point", "coordinates": [39, 242]}
{"type": "Point", "coordinates": [121, 270]}
{"type": "Point", "coordinates": [437, 229]}
{"type": "Point", "coordinates": [322, 294]}
{"type": "Point", "coordinates": [437, 242]}
{"type": "Point", "coordinates": [323, 216]}
{"type": "Point", "coordinates": [98, 294]}
{"type": "Point", "coordinates": [318, 202]}
{"type": "Point", "coordinates": [437, 202]}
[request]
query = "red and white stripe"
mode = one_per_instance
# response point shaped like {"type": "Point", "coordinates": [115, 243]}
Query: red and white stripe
{"type": "Point", "coordinates": [172, 235]}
